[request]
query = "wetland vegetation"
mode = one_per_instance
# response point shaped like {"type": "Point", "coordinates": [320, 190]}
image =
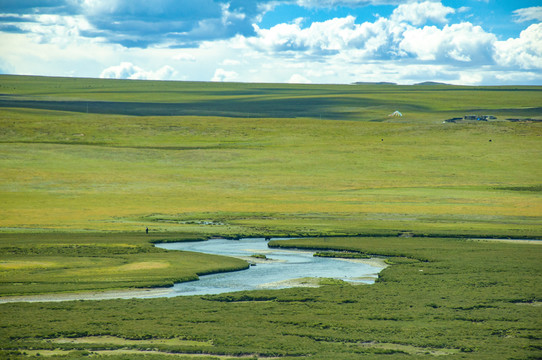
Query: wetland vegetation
{"type": "Point", "coordinates": [87, 165]}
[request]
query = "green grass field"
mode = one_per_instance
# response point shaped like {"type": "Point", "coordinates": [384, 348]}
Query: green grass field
{"type": "Point", "coordinates": [77, 171]}
{"type": "Point", "coordinates": [51, 263]}
{"type": "Point", "coordinates": [87, 164]}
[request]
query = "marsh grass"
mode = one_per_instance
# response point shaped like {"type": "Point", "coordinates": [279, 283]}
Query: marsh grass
{"type": "Point", "coordinates": [463, 299]}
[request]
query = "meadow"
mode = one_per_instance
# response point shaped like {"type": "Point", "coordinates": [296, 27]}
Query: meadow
{"type": "Point", "coordinates": [359, 170]}
{"type": "Point", "coordinates": [87, 164]}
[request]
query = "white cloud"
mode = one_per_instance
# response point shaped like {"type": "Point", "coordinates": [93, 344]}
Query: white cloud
{"type": "Point", "coordinates": [332, 3]}
{"type": "Point", "coordinates": [230, 17]}
{"type": "Point", "coordinates": [470, 77]}
{"type": "Point", "coordinates": [230, 62]}
{"type": "Point", "coordinates": [184, 57]}
{"type": "Point", "coordinates": [524, 52]}
{"type": "Point", "coordinates": [123, 71]}
{"type": "Point", "coordinates": [278, 38]}
{"type": "Point", "coordinates": [510, 77]}
{"type": "Point", "coordinates": [224, 75]}
{"type": "Point", "coordinates": [459, 42]}
{"type": "Point", "coordinates": [380, 40]}
{"type": "Point", "coordinates": [327, 38]}
{"type": "Point", "coordinates": [528, 14]}
{"type": "Point", "coordinates": [164, 73]}
{"type": "Point", "coordinates": [186, 23]}
{"type": "Point", "coordinates": [55, 29]}
{"type": "Point", "coordinates": [420, 13]}
{"type": "Point", "coordinates": [127, 70]}
{"type": "Point", "coordinates": [413, 44]}
{"type": "Point", "coordinates": [70, 57]}
{"type": "Point", "coordinates": [298, 79]}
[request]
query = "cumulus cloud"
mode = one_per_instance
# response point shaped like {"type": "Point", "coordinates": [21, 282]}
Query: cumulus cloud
{"type": "Point", "coordinates": [142, 23]}
{"type": "Point", "coordinates": [39, 7]}
{"type": "Point", "coordinates": [298, 79]}
{"type": "Point", "coordinates": [371, 51]}
{"type": "Point", "coordinates": [533, 13]}
{"type": "Point", "coordinates": [184, 57]}
{"type": "Point", "coordinates": [206, 39]}
{"type": "Point", "coordinates": [230, 62]}
{"type": "Point", "coordinates": [46, 28]}
{"type": "Point", "coordinates": [395, 38]}
{"type": "Point", "coordinates": [524, 52]}
{"type": "Point", "coordinates": [224, 75]}
{"type": "Point", "coordinates": [127, 70]}
{"type": "Point", "coordinates": [462, 42]}
{"type": "Point", "coordinates": [383, 39]}
{"type": "Point", "coordinates": [332, 3]}
{"type": "Point", "coordinates": [328, 37]}
{"type": "Point", "coordinates": [164, 23]}
{"type": "Point", "coordinates": [511, 77]}
{"type": "Point", "coordinates": [421, 13]}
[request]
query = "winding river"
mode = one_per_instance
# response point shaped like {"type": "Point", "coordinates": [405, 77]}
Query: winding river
{"type": "Point", "coordinates": [281, 269]}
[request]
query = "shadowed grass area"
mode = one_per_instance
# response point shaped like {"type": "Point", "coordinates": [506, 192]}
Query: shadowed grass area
{"type": "Point", "coordinates": [353, 102]}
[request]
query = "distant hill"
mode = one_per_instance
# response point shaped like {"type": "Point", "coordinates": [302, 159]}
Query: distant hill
{"type": "Point", "coordinates": [431, 83]}
{"type": "Point", "coordinates": [373, 83]}
{"type": "Point", "coordinates": [392, 83]}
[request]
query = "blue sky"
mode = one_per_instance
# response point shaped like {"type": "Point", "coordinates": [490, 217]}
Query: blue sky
{"type": "Point", "coordinates": [471, 42]}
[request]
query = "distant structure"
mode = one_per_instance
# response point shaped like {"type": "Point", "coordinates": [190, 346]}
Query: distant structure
{"type": "Point", "coordinates": [479, 117]}
{"type": "Point", "coordinates": [472, 118]}
{"type": "Point", "coordinates": [396, 113]}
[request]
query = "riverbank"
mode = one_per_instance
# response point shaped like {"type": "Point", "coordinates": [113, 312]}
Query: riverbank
{"type": "Point", "coordinates": [93, 295]}
{"type": "Point", "coordinates": [512, 241]}
{"type": "Point", "coordinates": [374, 261]}
{"type": "Point", "coordinates": [142, 293]}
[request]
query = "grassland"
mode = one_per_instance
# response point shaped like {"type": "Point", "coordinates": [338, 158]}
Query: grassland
{"type": "Point", "coordinates": [305, 175]}
{"type": "Point", "coordinates": [87, 164]}
{"type": "Point", "coordinates": [55, 263]}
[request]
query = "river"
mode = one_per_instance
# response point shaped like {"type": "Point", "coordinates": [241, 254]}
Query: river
{"type": "Point", "coordinates": [281, 269]}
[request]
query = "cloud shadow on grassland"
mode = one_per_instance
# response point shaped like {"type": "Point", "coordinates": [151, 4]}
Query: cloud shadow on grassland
{"type": "Point", "coordinates": [343, 108]}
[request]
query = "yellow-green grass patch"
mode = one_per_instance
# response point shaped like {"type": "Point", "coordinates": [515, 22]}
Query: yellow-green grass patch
{"type": "Point", "coordinates": [121, 341]}
{"type": "Point", "coordinates": [14, 265]}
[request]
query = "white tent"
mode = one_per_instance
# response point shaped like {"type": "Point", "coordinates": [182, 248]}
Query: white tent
{"type": "Point", "coordinates": [396, 113]}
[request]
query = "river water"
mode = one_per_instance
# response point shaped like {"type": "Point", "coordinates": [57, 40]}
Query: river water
{"type": "Point", "coordinates": [277, 272]}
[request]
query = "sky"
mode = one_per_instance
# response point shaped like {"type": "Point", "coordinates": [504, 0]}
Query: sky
{"type": "Point", "coordinates": [469, 42]}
